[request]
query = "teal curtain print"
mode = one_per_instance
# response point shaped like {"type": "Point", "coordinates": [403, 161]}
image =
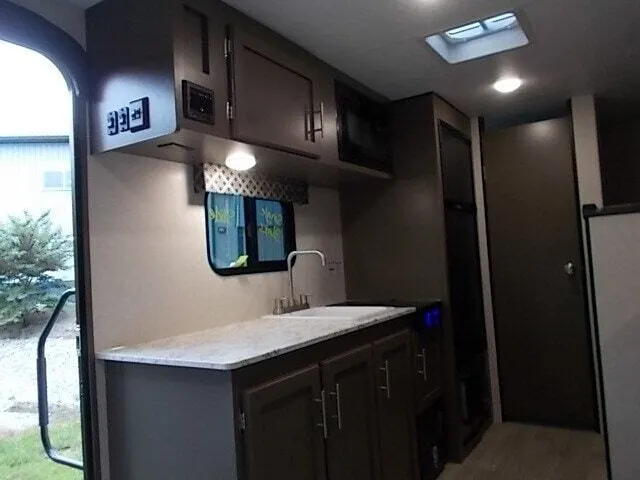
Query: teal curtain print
{"type": "Point", "coordinates": [270, 223]}
{"type": "Point", "coordinates": [226, 223]}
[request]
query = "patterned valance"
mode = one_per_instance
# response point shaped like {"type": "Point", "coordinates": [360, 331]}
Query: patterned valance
{"type": "Point", "coordinates": [220, 179]}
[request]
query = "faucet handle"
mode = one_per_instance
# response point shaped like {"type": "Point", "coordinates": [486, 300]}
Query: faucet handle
{"type": "Point", "coordinates": [280, 305]}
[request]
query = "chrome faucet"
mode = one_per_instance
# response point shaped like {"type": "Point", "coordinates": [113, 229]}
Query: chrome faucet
{"type": "Point", "coordinates": [292, 305]}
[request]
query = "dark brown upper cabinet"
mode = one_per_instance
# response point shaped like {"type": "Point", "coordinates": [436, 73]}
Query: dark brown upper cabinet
{"type": "Point", "coordinates": [285, 438]}
{"type": "Point", "coordinates": [200, 68]}
{"type": "Point", "coordinates": [396, 415]}
{"type": "Point", "coordinates": [273, 101]}
{"type": "Point", "coordinates": [352, 442]}
{"type": "Point", "coordinates": [198, 80]}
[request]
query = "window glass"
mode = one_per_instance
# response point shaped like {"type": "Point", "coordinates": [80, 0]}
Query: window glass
{"type": "Point", "coordinates": [247, 235]}
{"type": "Point", "coordinates": [481, 28]}
{"type": "Point", "coordinates": [501, 22]}
{"type": "Point", "coordinates": [466, 32]}
{"type": "Point", "coordinates": [270, 221]}
{"type": "Point", "coordinates": [227, 235]}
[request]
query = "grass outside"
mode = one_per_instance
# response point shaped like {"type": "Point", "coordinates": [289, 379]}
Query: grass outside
{"type": "Point", "coordinates": [22, 456]}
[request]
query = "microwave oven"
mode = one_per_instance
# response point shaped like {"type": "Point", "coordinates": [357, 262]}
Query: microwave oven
{"type": "Point", "coordinates": [363, 129]}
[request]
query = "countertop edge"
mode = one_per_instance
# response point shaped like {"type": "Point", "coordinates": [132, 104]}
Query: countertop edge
{"type": "Point", "coordinates": [114, 355]}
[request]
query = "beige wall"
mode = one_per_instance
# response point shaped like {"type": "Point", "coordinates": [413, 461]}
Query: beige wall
{"type": "Point", "coordinates": [150, 274]}
{"type": "Point", "coordinates": [585, 131]}
{"type": "Point", "coordinates": [586, 149]}
{"type": "Point", "coordinates": [485, 270]}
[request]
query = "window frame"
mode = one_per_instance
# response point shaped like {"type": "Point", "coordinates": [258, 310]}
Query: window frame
{"type": "Point", "coordinates": [251, 238]}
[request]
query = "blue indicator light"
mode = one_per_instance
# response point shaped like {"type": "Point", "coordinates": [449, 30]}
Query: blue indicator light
{"type": "Point", "coordinates": [432, 317]}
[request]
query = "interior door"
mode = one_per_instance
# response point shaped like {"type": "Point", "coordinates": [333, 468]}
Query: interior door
{"type": "Point", "coordinates": [286, 424]}
{"type": "Point", "coordinates": [396, 415]}
{"type": "Point", "coordinates": [352, 448]}
{"type": "Point", "coordinates": [543, 338]}
{"type": "Point", "coordinates": [272, 96]}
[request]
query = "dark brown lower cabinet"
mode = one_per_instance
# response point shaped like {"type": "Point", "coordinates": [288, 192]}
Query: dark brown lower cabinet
{"type": "Point", "coordinates": [302, 426]}
{"type": "Point", "coordinates": [285, 428]}
{"type": "Point", "coordinates": [427, 368]}
{"type": "Point", "coordinates": [352, 441]}
{"type": "Point", "coordinates": [396, 418]}
{"type": "Point", "coordinates": [338, 410]}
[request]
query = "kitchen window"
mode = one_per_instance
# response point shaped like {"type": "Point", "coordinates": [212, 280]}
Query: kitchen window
{"type": "Point", "coordinates": [248, 235]}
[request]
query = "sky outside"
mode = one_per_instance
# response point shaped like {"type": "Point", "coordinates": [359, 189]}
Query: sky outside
{"type": "Point", "coordinates": [34, 98]}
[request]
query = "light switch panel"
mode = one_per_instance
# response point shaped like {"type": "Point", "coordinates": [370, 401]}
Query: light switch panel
{"type": "Point", "coordinates": [139, 115]}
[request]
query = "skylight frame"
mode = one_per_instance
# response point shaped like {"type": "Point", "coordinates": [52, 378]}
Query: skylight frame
{"type": "Point", "coordinates": [484, 25]}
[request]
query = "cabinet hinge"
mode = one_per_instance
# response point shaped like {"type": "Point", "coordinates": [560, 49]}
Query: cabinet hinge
{"type": "Point", "coordinates": [243, 422]}
{"type": "Point", "coordinates": [227, 47]}
{"type": "Point", "coordinates": [229, 111]}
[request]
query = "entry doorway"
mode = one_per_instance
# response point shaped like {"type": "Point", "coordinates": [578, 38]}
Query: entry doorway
{"type": "Point", "coordinates": [45, 424]}
{"type": "Point", "coordinates": [539, 295]}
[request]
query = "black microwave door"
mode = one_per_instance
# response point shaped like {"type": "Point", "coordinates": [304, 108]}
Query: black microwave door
{"type": "Point", "coordinates": [363, 130]}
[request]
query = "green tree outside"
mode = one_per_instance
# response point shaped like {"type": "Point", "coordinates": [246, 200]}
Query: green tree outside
{"type": "Point", "coordinates": [31, 249]}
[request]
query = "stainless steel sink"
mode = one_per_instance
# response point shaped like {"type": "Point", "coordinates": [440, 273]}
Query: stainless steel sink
{"type": "Point", "coordinates": [346, 313]}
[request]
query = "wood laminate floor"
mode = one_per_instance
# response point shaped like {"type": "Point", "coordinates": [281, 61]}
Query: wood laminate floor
{"type": "Point", "coordinates": [511, 451]}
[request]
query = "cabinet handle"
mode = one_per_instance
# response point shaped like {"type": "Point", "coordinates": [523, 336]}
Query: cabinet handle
{"type": "Point", "coordinates": [307, 124]}
{"type": "Point", "coordinates": [321, 129]}
{"type": "Point", "coordinates": [387, 386]}
{"type": "Point", "coordinates": [309, 121]}
{"type": "Point", "coordinates": [423, 357]}
{"type": "Point", "coordinates": [323, 424]}
{"type": "Point", "coordinates": [338, 415]}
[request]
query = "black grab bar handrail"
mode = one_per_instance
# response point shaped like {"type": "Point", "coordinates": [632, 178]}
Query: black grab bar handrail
{"type": "Point", "coordinates": [43, 401]}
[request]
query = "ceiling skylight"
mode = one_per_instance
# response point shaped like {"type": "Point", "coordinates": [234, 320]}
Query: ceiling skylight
{"type": "Point", "coordinates": [480, 38]}
{"type": "Point", "coordinates": [482, 28]}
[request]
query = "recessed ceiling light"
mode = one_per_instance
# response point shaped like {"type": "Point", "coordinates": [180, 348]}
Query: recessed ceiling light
{"type": "Point", "coordinates": [508, 84]}
{"type": "Point", "coordinates": [240, 161]}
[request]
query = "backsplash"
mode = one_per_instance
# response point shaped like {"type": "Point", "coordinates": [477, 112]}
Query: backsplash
{"type": "Point", "coordinates": [150, 274]}
{"type": "Point", "coordinates": [220, 179]}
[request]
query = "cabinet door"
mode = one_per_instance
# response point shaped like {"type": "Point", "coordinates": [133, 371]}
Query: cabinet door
{"type": "Point", "coordinates": [201, 70]}
{"type": "Point", "coordinates": [272, 96]}
{"type": "Point", "coordinates": [396, 416]}
{"type": "Point", "coordinates": [428, 376]}
{"type": "Point", "coordinates": [284, 436]}
{"type": "Point", "coordinates": [352, 448]}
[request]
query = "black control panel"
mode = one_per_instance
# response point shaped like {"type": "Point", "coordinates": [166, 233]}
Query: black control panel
{"type": "Point", "coordinates": [198, 103]}
{"type": "Point", "coordinates": [131, 118]}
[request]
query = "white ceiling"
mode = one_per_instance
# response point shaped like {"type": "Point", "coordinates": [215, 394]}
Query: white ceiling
{"type": "Point", "coordinates": [577, 47]}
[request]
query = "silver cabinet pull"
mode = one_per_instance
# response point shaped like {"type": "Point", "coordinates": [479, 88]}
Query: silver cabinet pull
{"type": "Point", "coordinates": [423, 358]}
{"type": "Point", "coordinates": [387, 386]}
{"type": "Point", "coordinates": [323, 424]}
{"type": "Point", "coordinates": [321, 129]}
{"type": "Point", "coordinates": [309, 123]}
{"type": "Point", "coordinates": [338, 415]}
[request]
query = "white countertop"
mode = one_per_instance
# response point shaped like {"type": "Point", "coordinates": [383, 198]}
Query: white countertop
{"type": "Point", "coordinates": [241, 344]}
